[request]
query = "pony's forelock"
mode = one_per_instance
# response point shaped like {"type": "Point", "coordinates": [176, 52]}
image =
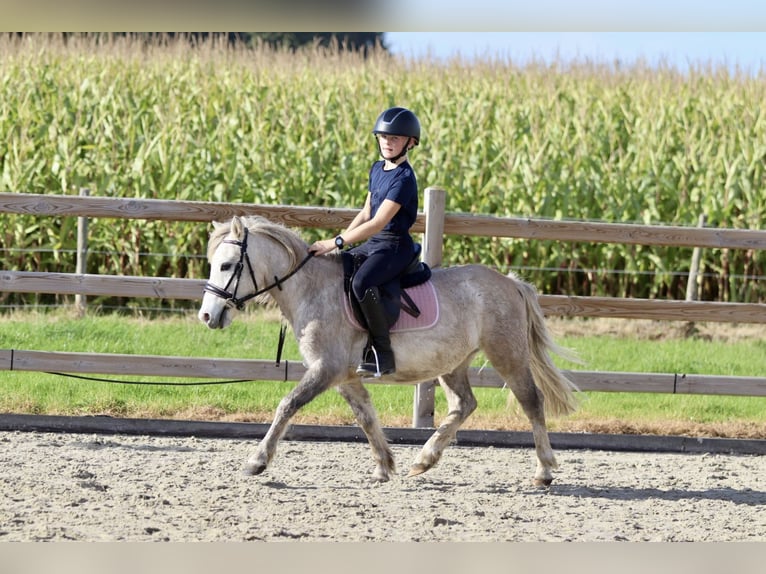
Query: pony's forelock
{"type": "Point", "coordinates": [220, 231]}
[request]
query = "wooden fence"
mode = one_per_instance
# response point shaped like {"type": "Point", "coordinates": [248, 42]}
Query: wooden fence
{"type": "Point", "coordinates": [439, 223]}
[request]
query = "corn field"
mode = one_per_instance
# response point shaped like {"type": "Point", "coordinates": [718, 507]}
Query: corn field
{"type": "Point", "coordinates": [212, 122]}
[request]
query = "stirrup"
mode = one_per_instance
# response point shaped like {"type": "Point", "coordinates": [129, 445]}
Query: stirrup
{"type": "Point", "coordinates": [368, 368]}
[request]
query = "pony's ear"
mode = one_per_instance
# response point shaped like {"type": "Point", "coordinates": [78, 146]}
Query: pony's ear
{"type": "Point", "coordinates": [237, 227]}
{"type": "Point", "coordinates": [218, 225]}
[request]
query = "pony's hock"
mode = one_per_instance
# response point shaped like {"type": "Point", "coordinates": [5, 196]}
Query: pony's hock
{"type": "Point", "coordinates": [481, 310]}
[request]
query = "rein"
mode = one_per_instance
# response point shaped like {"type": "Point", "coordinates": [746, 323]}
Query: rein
{"type": "Point", "coordinates": [231, 296]}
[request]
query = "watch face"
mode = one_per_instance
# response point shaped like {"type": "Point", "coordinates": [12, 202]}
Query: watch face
{"type": "Point", "coordinates": [339, 241]}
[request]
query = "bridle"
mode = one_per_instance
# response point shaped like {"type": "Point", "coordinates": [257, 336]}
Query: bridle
{"type": "Point", "coordinates": [231, 296]}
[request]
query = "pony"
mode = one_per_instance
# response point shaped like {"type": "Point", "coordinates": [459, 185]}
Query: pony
{"type": "Point", "coordinates": [480, 309]}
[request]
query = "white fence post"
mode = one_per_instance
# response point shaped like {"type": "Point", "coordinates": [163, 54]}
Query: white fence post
{"type": "Point", "coordinates": [433, 243]}
{"type": "Point", "coordinates": [82, 255]}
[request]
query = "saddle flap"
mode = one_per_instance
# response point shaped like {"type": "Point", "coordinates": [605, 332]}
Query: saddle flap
{"type": "Point", "coordinates": [424, 297]}
{"type": "Point", "coordinates": [394, 296]}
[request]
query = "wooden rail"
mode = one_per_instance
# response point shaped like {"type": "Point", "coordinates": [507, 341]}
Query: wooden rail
{"type": "Point", "coordinates": [558, 305]}
{"type": "Point", "coordinates": [107, 285]}
{"type": "Point", "coordinates": [330, 218]}
{"type": "Point", "coordinates": [291, 371]}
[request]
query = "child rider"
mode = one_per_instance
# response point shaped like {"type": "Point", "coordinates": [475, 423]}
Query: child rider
{"type": "Point", "coordinates": [382, 230]}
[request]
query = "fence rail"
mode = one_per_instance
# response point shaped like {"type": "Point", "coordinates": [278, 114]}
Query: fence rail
{"type": "Point", "coordinates": [331, 218]}
{"type": "Point", "coordinates": [558, 305]}
{"type": "Point", "coordinates": [291, 371]}
{"type": "Point", "coordinates": [432, 224]}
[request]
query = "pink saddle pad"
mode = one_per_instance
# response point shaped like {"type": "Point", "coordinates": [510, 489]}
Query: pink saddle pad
{"type": "Point", "coordinates": [424, 296]}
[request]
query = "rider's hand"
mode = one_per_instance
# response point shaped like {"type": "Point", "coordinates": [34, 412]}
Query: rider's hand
{"type": "Point", "coordinates": [322, 247]}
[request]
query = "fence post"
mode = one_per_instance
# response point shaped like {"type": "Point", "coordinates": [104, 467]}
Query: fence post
{"type": "Point", "coordinates": [692, 281]}
{"type": "Point", "coordinates": [82, 255]}
{"type": "Point", "coordinates": [433, 244]}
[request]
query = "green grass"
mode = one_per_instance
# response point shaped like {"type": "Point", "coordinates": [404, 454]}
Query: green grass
{"type": "Point", "coordinates": [254, 335]}
{"type": "Point", "coordinates": [672, 355]}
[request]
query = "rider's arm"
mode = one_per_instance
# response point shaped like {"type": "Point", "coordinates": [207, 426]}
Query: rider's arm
{"type": "Point", "coordinates": [368, 228]}
{"type": "Point", "coordinates": [362, 217]}
{"type": "Point", "coordinates": [362, 227]}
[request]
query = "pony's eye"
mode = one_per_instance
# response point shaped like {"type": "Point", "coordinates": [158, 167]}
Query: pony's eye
{"type": "Point", "coordinates": [226, 266]}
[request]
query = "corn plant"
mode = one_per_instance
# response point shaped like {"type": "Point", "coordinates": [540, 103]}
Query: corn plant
{"type": "Point", "coordinates": [216, 123]}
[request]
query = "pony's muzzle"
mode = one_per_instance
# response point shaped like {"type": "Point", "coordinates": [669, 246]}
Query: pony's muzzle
{"type": "Point", "coordinates": [205, 318]}
{"type": "Point", "coordinates": [210, 321]}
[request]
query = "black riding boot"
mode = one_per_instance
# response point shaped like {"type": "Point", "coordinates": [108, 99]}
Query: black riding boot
{"type": "Point", "coordinates": [380, 358]}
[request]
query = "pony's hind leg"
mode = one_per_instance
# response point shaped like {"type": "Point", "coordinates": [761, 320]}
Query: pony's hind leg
{"type": "Point", "coordinates": [461, 403]}
{"type": "Point", "coordinates": [531, 400]}
{"type": "Point", "coordinates": [358, 398]}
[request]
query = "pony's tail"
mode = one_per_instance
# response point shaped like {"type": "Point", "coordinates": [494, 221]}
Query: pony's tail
{"type": "Point", "coordinates": [558, 391]}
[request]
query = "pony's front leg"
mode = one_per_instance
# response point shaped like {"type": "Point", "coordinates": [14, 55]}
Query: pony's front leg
{"type": "Point", "coordinates": [313, 383]}
{"type": "Point", "coordinates": [359, 400]}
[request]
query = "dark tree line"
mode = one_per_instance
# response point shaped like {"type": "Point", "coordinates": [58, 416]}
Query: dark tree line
{"type": "Point", "coordinates": [348, 40]}
{"type": "Point", "coordinates": [351, 41]}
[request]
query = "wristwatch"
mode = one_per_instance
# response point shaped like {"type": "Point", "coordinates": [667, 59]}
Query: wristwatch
{"type": "Point", "coordinates": [339, 243]}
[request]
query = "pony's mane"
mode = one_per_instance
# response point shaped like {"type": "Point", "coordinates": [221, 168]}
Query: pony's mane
{"type": "Point", "coordinates": [258, 225]}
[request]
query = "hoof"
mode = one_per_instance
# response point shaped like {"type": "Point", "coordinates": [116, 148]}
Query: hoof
{"type": "Point", "coordinates": [382, 473]}
{"type": "Point", "coordinates": [379, 477]}
{"type": "Point", "coordinates": [417, 469]}
{"type": "Point", "coordinates": [542, 482]}
{"type": "Point", "coordinates": [253, 469]}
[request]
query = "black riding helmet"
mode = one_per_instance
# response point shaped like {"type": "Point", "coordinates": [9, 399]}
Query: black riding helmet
{"type": "Point", "coordinates": [398, 122]}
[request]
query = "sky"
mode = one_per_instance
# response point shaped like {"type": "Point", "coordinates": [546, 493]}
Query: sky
{"type": "Point", "coordinates": [682, 31]}
{"type": "Point", "coordinates": [745, 50]}
{"type": "Point", "coordinates": [577, 15]}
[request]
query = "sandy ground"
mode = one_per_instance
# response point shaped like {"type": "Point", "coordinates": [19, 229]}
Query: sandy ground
{"type": "Point", "coordinates": [138, 488]}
